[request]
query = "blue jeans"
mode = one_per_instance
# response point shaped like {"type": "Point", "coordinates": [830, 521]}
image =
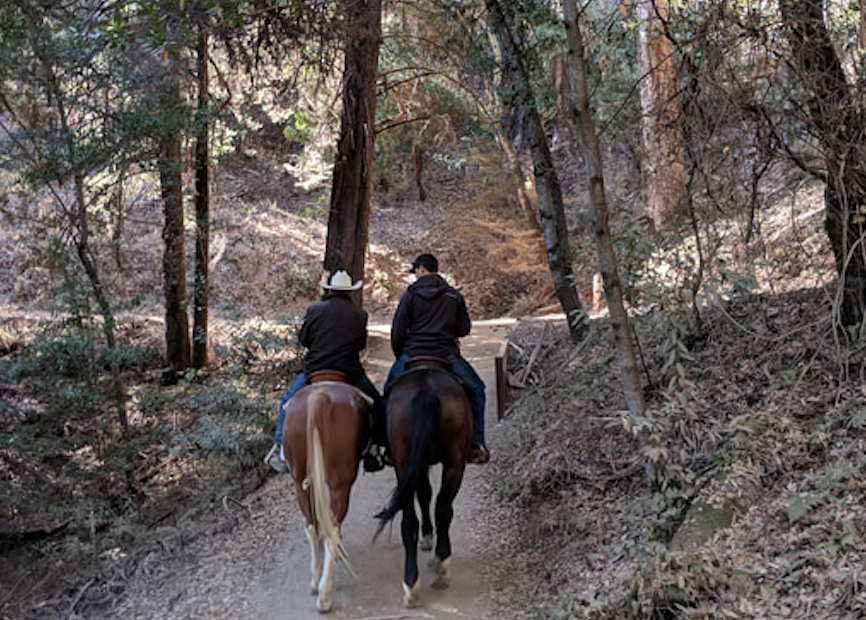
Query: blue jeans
{"type": "Point", "coordinates": [474, 385]}
{"type": "Point", "coordinates": [363, 383]}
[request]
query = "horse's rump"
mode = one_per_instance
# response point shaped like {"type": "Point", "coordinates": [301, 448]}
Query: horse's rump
{"type": "Point", "coordinates": [451, 419]}
{"type": "Point", "coordinates": [429, 421]}
{"type": "Point", "coordinates": [343, 422]}
{"type": "Point", "coordinates": [326, 428]}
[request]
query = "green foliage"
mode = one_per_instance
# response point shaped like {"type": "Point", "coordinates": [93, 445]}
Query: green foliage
{"type": "Point", "coordinates": [262, 350]}
{"type": "Point", "coordinates": [685, 448]}
{"type": "Point", "coordinates": [227, 420]}
{"type": "Point", "coordinates": [318, 209]}
{"type": "Point", "coordinates": [858, 420]}
{"type": "Point", "coordinates": [52, 355]}
{"type": "Point", "coordinates": [66, 430]}
{"type": "Point", "coordinates": [438, 67]}
{"type": "Point", "coordinates": [802, 504]}
{"type": "Point", "coordinates": [298, 128]}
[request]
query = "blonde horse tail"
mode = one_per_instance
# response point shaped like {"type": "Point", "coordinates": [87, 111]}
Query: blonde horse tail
{"type": "Point", "coordinates": [329, 529]}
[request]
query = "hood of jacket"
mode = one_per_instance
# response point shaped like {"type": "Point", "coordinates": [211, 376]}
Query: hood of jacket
{"type": "Point", "coordinates": [429, 287]}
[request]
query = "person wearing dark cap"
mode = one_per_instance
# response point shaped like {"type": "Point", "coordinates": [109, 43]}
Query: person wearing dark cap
{"type": "Point", "coordinates": [429, 319]}
{"type": "Point", "coordinates": [334, 332]}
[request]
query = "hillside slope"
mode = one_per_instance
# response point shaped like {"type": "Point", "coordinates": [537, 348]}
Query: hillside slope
{"type": "Point", "coordinates": [756, 427]}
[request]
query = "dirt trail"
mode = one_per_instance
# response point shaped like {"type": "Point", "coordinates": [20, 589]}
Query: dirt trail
{"type": "Point", "coordinates": [253, 561]}
{"type": "Point", "coordinates": [284, 593]}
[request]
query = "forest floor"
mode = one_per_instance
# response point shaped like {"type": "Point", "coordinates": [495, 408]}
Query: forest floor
{"type": "Point", "coordinates": [757, 439]}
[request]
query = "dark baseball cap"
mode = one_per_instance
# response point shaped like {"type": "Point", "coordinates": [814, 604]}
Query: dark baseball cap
{"type": "Point", "coordinates": [428, 261]}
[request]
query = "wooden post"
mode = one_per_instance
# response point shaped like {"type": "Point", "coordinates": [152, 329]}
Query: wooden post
{"type": "Point", "coordinates": [501, 365]}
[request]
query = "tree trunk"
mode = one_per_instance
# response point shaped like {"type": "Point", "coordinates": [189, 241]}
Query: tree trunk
{"type": "Point", "coordinates": [418, 160]}
{"type": "Point", "coordinates": [177, 345]}
{"type": "Point", "coordinates": [662, 161]}
{"type": "Point", "coordinates": [861, 32]}
{"type": "Point", "coordinates": [629, 369]}
{"type": "Point", "coordinates": [517, 171]}
{"type": "Point", "coordinates": [201, 285]}
{"type": "Point", "coordinates": [349, 217]}
{"type": "Point", "coordinates": [840, 125]}
{"type": "Point", "coordinates": [550, 204]}
{"type": "Point", "coordinates": [526, 205]}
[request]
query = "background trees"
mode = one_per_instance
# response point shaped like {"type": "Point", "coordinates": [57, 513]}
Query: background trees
{"type": "Point", "coordinates": [550, 205]}
{"type": "Point", "coordinates": [833, 111]}
{"type": "Point", "coordinates": [352, 185]}
{"type": "Point", "coordinates": [107, 109]}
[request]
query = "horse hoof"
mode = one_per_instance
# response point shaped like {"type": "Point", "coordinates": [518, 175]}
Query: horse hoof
{"type": "Point", "coordinates": [443, 573]}
{"type": "Point", "coordinates": [323, 606]}
{"type": "Point", "coordinates": [411, 596]}
{"type": "Point", "coordinates": [427, 542]}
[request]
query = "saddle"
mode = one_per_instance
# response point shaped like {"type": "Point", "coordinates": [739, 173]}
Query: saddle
{"type": "Point", "coordinates": [427, 361]}
{"type": "Point", "coordinates": [327, 375]}
{"type": "Point", "coordinates": [336, 376]}
{"type": "Point", "coordinates": [424, 362]}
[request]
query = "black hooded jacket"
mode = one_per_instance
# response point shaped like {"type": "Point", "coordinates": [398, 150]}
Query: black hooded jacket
{"type": "Point", "coordinates": [335, 333]}
{"type": "Point", "coordinates": [430, 318]}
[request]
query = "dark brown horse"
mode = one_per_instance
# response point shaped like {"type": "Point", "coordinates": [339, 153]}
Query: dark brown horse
{"type": "Point", "coordinates": [326, 431]}
{"type": "Point", "coordinates": [429, 422]}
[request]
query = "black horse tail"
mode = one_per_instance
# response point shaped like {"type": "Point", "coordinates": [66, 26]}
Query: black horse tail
{"type": "Point", "coordinates": [426, 410]}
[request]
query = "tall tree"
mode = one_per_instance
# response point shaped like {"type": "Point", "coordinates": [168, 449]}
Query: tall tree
{"type": "Point", "coordinates": [58, 145]}
{"type": "Point", "coordinates": [662, 161]}
{"type": "Point", "coordinates": [201, 280]}
{"type": "Point", "coordinates": [629, 373]}
{"type": "Point", "coordinates": [548, 189]}
{"type": "Point", "coordinates": [177, 343]}
{"type": "Point", "coordinates": [169, 164]}
{"type": "Point", "coordinates": [351, 189]}
{"type": "Point", "coordinates": [56, 149]}
{"type": "Point", "coordinates": [837, 116]}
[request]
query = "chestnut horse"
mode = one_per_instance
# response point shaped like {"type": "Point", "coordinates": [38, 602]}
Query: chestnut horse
{"type": "Point", "coordinates": [429, 422]}
{"type": "Point", "coordinates": [326, 430]}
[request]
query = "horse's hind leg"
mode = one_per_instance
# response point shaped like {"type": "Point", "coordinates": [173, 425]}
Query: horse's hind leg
{"type": "Point", "coordinates": [324, 602]}
{"type": "Point", "coordinates": [411, 578]}
{"type": "Point", "coordinates": [315, 559]}
{"type": "Point", "coordinates": [425, 495]}
{"type": "Point", "coordinates": [444, 515]}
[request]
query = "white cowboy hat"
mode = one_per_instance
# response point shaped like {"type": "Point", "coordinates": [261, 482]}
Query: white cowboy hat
{"type": "Point", "coordinates": [341, 281]}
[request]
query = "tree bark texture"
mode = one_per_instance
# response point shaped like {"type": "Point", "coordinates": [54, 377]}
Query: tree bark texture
{"type": "Point", "coordinates": [177, 345]}
{"type": "Point", "coordinates": [662, 161]}
{"type": "Point", "coordinates": [839, 122]}
{"type": "Point", "coordinates": [550, 203]}
{"type": "Point", "coordinates": [861, 33]}
{"type": "Point", "coordinates": [418, 161]}
{"type": "Point", "coordinates": [629, 369]}
{"type": "Point", "coordinates": [201, 281]}
{"type": "Point", "coordinates": [517, 171]}
{"type": "Point", "coordinates": [349, 217]}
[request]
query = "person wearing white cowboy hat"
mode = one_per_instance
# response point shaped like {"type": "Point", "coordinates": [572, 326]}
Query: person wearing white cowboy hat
{"type": "Point", "coordinates": [341, 281]}
{"type": "Point", "coordinates": [334, 333]}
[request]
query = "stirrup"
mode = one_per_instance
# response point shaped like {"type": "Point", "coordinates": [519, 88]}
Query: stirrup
{"type": "Point", "coordinates": [273, 460]}
{"type": "Point", "coordinates": [478, 454]}
{"type": "Point", "coordinates": [373, 460]}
